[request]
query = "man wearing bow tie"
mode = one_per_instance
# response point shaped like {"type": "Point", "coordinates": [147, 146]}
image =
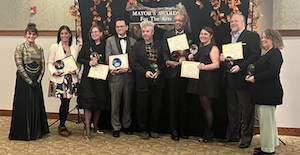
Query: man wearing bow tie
{"type": "Point", "coordinates": [121, 81]}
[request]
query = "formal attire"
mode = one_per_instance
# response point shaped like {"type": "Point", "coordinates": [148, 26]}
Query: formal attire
{"type": "Point", "coordinates": [93, 94]}
{"type": "Point", "coordinates": [120, 84]}
{"type": "Point", "coordinates": [207, 87]}
{"type": "Point", "coordinates": [148, 57]}
{"type": "Point", "coordinates": [29, 119]}
{"type": "Point", "coordinates": [177, 86]}
{"type": "Point", "coordinates": [62, 87]}
{"type": "Point", "coordinates": [239, 108]}
{"type": "Point", "coordinates": [267, 93]}
{"type": "Point", "coordinates": [208, 83]}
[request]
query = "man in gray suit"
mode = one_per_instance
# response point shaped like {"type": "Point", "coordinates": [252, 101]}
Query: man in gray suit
{"type": "Point", "coordinates": [121, 81]}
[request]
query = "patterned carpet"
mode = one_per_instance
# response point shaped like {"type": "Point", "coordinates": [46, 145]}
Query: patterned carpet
{"type": "Point", "coordinates": [105, 144]}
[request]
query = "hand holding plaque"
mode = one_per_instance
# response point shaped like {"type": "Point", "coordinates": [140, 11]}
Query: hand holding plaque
{"type": "Point", "coordinates": [66, 65]}
{"type": "Point", "coordinates": [118, 61]}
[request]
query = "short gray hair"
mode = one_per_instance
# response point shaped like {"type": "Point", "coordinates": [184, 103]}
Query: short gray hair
{"type": "Point", "coordinates": [241, 16]}
{"type": "Point", "coordinates": [147, 23]}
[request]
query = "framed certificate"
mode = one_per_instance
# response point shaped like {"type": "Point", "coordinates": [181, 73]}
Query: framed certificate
{"type": "Point", "coordinates": [118, 61]}
{"type": "Point", "coordinates": [189, 69]}
{"type": "Point", "coordinates": [99, 71]}
{"type": "Point", "coordinates": [178, 42]}
{"type": "Point", "coordinates": [233, 50]}
{"type": "Point", "coordinates": [65, 65]}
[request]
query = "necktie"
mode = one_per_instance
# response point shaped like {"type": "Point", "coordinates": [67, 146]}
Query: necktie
{"type": "Point", "coordinates": [123, 38]}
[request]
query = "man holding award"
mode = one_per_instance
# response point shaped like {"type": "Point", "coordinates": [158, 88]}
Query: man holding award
{"type": "Point", "coordinates": [243, 48]}
{"type": "Point", "coordinates": [148, 63]}
{"type": "Point", "coordinates": [121, 80]}
{"type": "Point", "coordinates": [175, 53]}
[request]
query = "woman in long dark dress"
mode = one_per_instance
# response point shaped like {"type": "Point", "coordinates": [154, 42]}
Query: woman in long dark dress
{"type": "Point", "coordinates": [62, 86]}
{"type": "Point", "coordinates": [93, 95]}
{"type": "Point", "coordinates": [207, 86]}
{"type": "Point", "coordinates": [29, 119]}
{"type": "Point", "coordinates": [267, 91]}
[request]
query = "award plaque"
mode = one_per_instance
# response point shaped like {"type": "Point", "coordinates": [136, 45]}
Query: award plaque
{"type": "Point", "coordinates": [234, 50]}
{"type": "Point", "coordinates": [65, 65]}
{"type": "Point", "coordinates": [189, 69]}
{"type": "Point", "coordinates": [118, 61]}
{"type": "Point", "coordinates": [178, 42]}
{"type": "Point", "coordinates": [99, 71]}
{"type": "Point", "coordinates": [250, 69]}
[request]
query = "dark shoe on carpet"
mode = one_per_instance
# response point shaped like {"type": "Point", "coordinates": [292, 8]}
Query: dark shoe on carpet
{"type": "Point", "coordinates": [262, 153]}
{"type": "Point", "coordinates": [127, 131]}
{"type": "Point", "coordinates": [116, 133]}
{"type": "Point", "coordinates": [257, 149]}
{"type": "Point", "coordinates": [203, 140]}
{"type": "Point", "coordinates": [145, 135]}
{"type": "Point", "coordinates": [154, 135]}
{"type": "Point", "coordinates": [244, 145]}
{"type": "Point", "coordinates": [174, 135]}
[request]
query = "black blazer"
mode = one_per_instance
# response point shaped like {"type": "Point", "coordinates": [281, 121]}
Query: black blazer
{"type": "Point", "coordinates": [251, 51]}
{"type": "Point", "coordinates": [172, 72]}
{"type": "Point", "coordinates": [140, 65]}
{"type": "Point", "coordinates": [267, 89]}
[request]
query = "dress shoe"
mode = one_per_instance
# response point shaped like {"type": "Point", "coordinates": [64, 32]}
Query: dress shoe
{"type": "Point", "coordinates": [99, 131]}
{"type": "Point", "coordinates": [244, 145]}
{"type": "Point", "coordinates": [262, 153]}
{"type": "Point", "coordinates": [144, 135]}
{"type": "Point", "coordinates": [257, 149]}
{"type": "Point", "coordinates": [183, 135]}
{"type": "Point", "coordinates": [63, 131]}
{"type": "Point", "coordinates": [175, 136]}
{"type": "Point", "coordinates": [116, 133]}
{"type": "Point", "coordinates": [127, 131]}
{"type": "Point", "coordinates": [230, 140]}
{"type": "Point", "coordinates": [154, 135]}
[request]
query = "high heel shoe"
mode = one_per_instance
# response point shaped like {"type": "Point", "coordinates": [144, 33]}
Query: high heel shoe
{"type": "Point", "coordinates": [87, 137]}
{"type": "Point", "coordinates": [98, 131]}
{"type": "Point", "coordinates": [63, 131]}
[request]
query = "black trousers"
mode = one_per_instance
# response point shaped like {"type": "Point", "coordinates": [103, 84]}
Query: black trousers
{"type": "Point", "coordinates": [240, 113]}
{"type": "Point", "coordinates": [178, 102]}
{"type": "Point", "coordinates": [148, 108]}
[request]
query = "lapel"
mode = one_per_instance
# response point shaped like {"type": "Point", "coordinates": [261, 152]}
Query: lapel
{"type": "Point", "coordinates": [243, 34]}
{"type": "Point", "coordinates": [128, 44]}
{"type": "Point", "coordinates": [117, 40]}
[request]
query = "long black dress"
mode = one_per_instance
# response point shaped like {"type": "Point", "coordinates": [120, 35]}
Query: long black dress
{"type": "Point", "coordinates": [208, 83]}
{"type": "Point", "coordinates": [92, 94]}
{"type": "Point", "coordinates": [29, 119]}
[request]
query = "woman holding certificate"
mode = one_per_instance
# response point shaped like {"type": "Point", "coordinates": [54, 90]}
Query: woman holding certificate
{"type": "Point", "coordinates": [93, 95]}
{"type": "Point", "coordinates": [207, 85]}
{"type": "Point", "coordinates": [266, 90]}
{"type": "Point", "coordinates": [63, 84]}
{"type": "Point", "coordinates": [29, 119]}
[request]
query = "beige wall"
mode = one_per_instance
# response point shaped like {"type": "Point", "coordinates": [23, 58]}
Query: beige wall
{"type": "Point", "coordinates": [286, 14]}
{"type": "Point", "coordinates": [51, 14]}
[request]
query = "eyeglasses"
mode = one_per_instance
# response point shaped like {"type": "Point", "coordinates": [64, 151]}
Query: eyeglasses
{"type": "Point", "coordinates": [122, 26]}
{"type": "Point", "coordinates": [95, 32]}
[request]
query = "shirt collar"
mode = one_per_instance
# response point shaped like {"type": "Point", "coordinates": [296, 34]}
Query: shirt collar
{"type": "Point", "coordinates": [177, 32]}
{"type": "Point", "coordinates": [238, 33]}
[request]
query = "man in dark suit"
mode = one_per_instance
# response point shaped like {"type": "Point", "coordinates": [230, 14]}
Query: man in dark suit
{"type": "Point", "coordinates": [239, 107]}
{"type": "Point", "coordinates": [177, 85]}
{"type": "Point", "coordinates": [148, 64]}
{"type": "Point", "coordinates": [121, 82]}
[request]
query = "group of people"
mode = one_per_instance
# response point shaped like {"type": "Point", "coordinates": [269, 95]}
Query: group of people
{"type": "Point", "coordinates": [150, 62]}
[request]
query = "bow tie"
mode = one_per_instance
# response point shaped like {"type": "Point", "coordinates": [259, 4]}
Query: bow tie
{"type": "Point", "coordinates": [123, 38]}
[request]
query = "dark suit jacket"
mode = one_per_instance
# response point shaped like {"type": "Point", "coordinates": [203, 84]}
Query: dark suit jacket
{"type": "Point", "coordinates": [267, 89]}
{"type": "Point", "coordinates": [113, 47]}
{"type": "Point", "coordinates": [172, 72]}
{"type": "Point", "coordinates": [251, 50]}
{"type": "Point", "coordinates": [140, 65]}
